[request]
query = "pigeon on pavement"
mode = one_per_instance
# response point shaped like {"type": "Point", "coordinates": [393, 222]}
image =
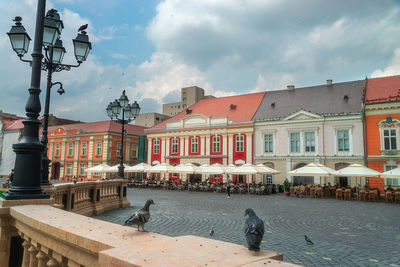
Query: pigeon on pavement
{"type": "Point", "coordinates": [212, 232]}
{"type": "Point", "coordinates": [254, 230]}
{"type": "Point", "coordinates": [140, 217]}
{"type": "Point", "coordinates": [308, 240]}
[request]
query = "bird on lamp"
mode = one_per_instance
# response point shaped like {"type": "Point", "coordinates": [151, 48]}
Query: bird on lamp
{"type": "Point", "coordinates": [82, 28]}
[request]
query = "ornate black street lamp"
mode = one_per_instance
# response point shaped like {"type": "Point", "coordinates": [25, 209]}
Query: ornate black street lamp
{"type": "Point", "coordinates": [28, 163]}
{"type": "Point", "coordinates": [129, 113]}
{"type": "Point", "coordinates": [54, 53]}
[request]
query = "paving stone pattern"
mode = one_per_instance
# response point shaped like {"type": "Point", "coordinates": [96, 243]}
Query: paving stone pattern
{"type": "Point", "coordinates": [345, 233]}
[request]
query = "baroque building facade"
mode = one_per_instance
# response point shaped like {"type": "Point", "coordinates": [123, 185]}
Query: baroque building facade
{"type": "Point", "coordinates": [321, 124]}
{"type": "Point", "coordinates": [76, 147]}
{"type": "Point", "coordinates": [382, 113]}
{"type": "Point", "coordinates": [214, 130]}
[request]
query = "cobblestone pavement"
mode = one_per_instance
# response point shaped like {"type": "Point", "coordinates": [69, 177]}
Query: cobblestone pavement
{"type": "Point", "coordinates": [345, 233]}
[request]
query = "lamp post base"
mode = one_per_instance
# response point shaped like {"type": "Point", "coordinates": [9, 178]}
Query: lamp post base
{"type": "Point", "coordinates": [12, 195]}
{"type": "Point", "coordinates": [27, 176]}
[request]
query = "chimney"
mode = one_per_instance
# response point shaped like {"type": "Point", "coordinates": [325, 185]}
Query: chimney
{"type": "Point", "coordinates": [290, 87]}
{"type": "Point", "coordinates": [329, 82]}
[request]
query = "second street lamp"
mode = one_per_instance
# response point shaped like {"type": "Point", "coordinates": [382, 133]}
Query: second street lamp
{"type": "Point", "coordinates": [129, 113]}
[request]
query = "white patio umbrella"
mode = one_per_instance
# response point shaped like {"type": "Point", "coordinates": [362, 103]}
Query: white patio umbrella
{"type": "Point", "coordinates": [211, 169]}
{"type": "Point", "coordinates": [262, 169]}
{"type": "Point", "coordinates": [141, 167]}
{"type": "Point", "coordinates": [115, 168]}
{"type": "Point", "coordinates": [188, 168]}
{"type": "Point", "coordinates": [394, 173]}
{"type": "Point", "coordinates": [160, 168]}
{"type": "Point", "coordinates": [312, 169]}
{"type": "Point", "coordinates": [244, 169]}
{"type": "Point", "coordinates": [98, 168]}
{"type": "Point", "coordinates": [356, 170]}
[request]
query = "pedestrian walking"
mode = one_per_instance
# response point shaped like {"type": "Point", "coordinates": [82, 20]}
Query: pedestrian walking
{"type": "Point", "coordinates": [75, 180]}
{"type": "Point", "coordinates": [228, 186]}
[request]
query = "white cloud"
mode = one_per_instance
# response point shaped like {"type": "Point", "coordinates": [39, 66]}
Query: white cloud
{"type": "Point", "coordinates": [225, 47]}
{"type": "Point", "coordinates": [392, 69]}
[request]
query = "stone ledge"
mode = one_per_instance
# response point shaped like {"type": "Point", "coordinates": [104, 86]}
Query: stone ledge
{"type": "Point", "coordinates": [20, 202]}
{"type": "Point", "coordinates": [187, 251]}
{"type": "Point", "coordinates": [87, 240]}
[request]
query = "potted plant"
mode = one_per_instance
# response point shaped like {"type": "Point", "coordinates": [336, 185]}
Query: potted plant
{"type": "Point", "coordinates": [286, 187]}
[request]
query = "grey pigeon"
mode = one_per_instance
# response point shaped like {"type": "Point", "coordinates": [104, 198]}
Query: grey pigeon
{"type": "Point", "coordinates": [140, 217]}
{"type": "Point", "coordinates": [254, 230]}
{"type": "Point", "coordinates": [212, 232]}
{"type": "Point", "coordinates": [308, 240]}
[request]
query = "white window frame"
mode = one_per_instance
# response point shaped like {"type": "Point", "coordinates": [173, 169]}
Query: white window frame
{"type": "Point", "coordinates": [300, 143]}
{"type": "Point", "coordinates": [268, 179]}
{"type": "Point", "coordinates": [99, 146]}
{"type": "Point", "coordinates": [390, 166]}
{"type": "Point", "coordinates": [119, 150]}
{"type": "Point", "coordinates": [84, 149]}
{"type": "Point", "coordinates": [343, 153]}
{"type": "Point", "coordinates": [194, 145]}
{"type": "Point", "coordinates": [302, 135]}
{"type": "Point", "coordinates": [57, 150]}
{"type": "Point", "coordinates": [156, 146]}
{"type": "Point", "coordinates": [383, 129]}
{"type": "Point", "coordinates": [82, 168]}
{"type": "Point", "coordinates": [134, 151]}
{"type": "Point", "coordinates": [273, 144]}
{"type": "Point", "coordinates": [305, 142]}
{"type": "Point", "coordinates": [70, 149]}
{"type": "Point", "coordinates": [68, 168]}
{"type": "Point", "coordinates": [216, 144]}
{"type": "Point", "coordinates": [174, 146]}
{"type": "Point", "coordinates": [239, 143]}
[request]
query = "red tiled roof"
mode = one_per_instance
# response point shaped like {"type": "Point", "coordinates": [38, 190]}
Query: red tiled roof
{"type": "Point", "coordinates": [102, 126]}
{"type": "Point", "coordinates": [245, 107]}
{"type": "Point", "coordinates": [383, 89]}
{"type": "Point", "coordinates": [14, 125]}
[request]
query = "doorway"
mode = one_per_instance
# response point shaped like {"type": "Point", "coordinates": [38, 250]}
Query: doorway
{"type": "Point", "coordinates": [55, 170]}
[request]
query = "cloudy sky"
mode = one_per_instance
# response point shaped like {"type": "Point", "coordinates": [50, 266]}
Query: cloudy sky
{"type": "Point", "coordinates": [153, 48]}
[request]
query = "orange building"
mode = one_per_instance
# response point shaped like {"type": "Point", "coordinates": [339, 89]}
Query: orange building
{"type": "Point", "coordinates": [382, 124]}
{"type": "Point", "coordinates": [73, 148]}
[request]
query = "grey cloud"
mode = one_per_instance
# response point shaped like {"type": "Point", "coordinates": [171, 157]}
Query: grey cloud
{"type": "Point", "coordinates": [306, 38]}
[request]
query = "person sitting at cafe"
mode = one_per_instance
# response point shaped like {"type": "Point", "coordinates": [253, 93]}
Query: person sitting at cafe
{"type": "Point", "coordinates": [389, 188]}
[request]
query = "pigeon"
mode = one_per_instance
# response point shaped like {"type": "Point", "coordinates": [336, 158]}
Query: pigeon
{"type": "Point", "coordinates": [254, 230]}
{"type": "Point", "coordinates": [140, 217]}
{"type": "Point", "coordinates": [212, 232]}
{"type": "Point", "coordinates": [82, 28]}
{"type": "Point", "coordinates": [308, 240]}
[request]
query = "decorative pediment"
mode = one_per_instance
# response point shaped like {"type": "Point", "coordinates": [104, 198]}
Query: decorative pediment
{"type": "Point", "coordinates": [302, 115]}
{"type": "Point", "coordinates": [59, 131]}
{"type": "Point", "coordinates": [389, 122]}
{"type": "Point", "coordinates": [196, 121]}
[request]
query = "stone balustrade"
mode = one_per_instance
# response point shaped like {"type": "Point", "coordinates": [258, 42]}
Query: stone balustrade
{"type": "Point", "coordinates": [89, 198]}
{"type": "Point", "coordinates": [35, 234]}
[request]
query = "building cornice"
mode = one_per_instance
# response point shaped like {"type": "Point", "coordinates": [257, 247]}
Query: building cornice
{"type": "Point", "coordinates": [347, 118]}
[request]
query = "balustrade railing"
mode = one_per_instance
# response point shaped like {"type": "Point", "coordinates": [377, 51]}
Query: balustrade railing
{"type": "Point", "coordinates": [89, 198]}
